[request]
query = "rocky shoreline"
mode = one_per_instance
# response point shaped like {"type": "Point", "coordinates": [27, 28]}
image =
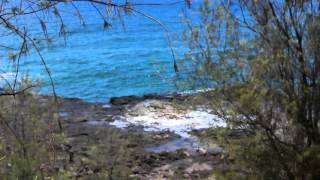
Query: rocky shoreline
{"type": "Point", "coordinates": [81, 120]}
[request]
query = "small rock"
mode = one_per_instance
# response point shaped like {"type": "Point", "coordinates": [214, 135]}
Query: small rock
{"type": "Point", "coordinates": [202, 151]}
{"type": "Point", "coordinates": [164, 154]}
{"type": "Point", "coordinates": [160, 136]}
{"type": "Point", "coordinates": [186, 175]}
{"type": "Point", "coordinates": [135, 170]}
{"type": "Point", "coordinates": [183, 153]}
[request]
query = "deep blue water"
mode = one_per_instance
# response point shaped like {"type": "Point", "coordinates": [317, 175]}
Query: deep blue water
{"type": "Point", "coordinates": [95, 64]}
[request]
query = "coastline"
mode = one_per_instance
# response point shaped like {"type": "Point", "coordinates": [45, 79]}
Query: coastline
{"type": "Point", "coordinates": [161, 147]}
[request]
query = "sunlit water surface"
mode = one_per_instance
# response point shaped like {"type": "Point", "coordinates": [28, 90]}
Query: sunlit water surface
{"type": "Point", "coordinates": [95, 64]}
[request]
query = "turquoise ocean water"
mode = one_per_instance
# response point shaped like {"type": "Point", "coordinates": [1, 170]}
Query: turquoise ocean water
{"type": "Point", "coordinates": [95, 64]}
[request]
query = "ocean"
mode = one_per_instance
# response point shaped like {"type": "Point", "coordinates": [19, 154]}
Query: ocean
{"type": "Point", "coordinates": [131, 57]}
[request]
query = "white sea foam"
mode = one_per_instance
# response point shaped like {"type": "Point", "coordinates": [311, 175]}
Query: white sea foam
{"type": "Point", "coordinates": [120, 123]}
{"type": "Point", "coordinates": [159, 116]}
{"type": "Point", "coordinates": [196, 91]}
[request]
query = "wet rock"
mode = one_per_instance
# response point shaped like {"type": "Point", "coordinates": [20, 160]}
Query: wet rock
{"type": "Point", "coordinates": [153, 96]}
{"type": "Point", "coordinates": [164, 154]}
{"type": "Point", "coordinates": [124, 100]}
